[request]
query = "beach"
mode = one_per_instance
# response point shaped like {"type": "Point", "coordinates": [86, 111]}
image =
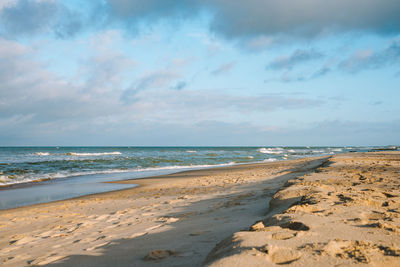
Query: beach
{"type": "Point", "coordinates": [338, 210]}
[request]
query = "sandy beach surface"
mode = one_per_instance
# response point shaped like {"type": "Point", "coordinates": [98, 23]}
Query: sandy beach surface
{"type": "Point", "coordinates": [328, 211]}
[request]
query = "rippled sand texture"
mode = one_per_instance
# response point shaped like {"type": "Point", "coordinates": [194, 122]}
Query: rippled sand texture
{"type": "Point", "coordinates": [344, 213]}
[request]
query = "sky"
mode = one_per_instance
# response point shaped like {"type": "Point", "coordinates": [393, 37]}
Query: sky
{"type": "Point", "coordinates": [199, 73]}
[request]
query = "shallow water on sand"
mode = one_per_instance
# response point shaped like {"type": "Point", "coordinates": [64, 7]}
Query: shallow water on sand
{"type": "Point", "coordinates": [76, 171]}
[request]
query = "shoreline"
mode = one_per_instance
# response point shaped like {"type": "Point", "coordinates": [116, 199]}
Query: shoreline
{"type": "Point", "coordinates": [144, 172]}
{"type": "Point", "coordinates": [164, 212]}
{"type": "Point", "coordinates": [39, 182]}
{"type": "Point", "coordinates": [130, 181]}
{"type": "Point", "coordinates": [181, 218]}
{"type": "Point", "coordinates": [151, 181]}
{"type": "Point", "coordinates": [273, 152]}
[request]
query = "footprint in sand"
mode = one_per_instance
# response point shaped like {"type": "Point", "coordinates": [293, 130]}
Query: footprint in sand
{"type": "Point", "coordinates": [112, 220]}
{"type": "Point", "coordinates": [281, 255]}
{"type": "Point", "coordinates": [355, 250]}
{"type": "Point", "coordinates": [102, 217]}
{"type": "Point", "coordinates": [46, 234]}
{"type": "Point", "coordinates": [295, 226]}
{"type": "Point", "coordinates": [159, 254]}
{"type": "Point", "coordinates": [168, 219]}
{"type": "Point", "coordinates": [22, 241]}
{"type": "Point", "coordinates": [283, 235]}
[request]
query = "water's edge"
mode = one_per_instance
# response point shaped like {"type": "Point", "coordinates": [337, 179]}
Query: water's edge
{"type": "Point", "coordinates": [32, 160]}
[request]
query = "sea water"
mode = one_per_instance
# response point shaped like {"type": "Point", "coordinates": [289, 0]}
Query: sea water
{"type": "Point", "coordinates": [67, 172]}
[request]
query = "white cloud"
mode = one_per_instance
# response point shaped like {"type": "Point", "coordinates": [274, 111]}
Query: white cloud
{"type": "Point", "coordinates": [36, 101]}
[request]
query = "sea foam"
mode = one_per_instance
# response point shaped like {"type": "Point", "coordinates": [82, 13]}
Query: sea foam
{"type": "Point", "coordinates": [93, 154]}
{"type": "Point", "coordinates": [42, 153]}
{"type": "Point", "coordinates": [29, 177]}
{"type": "Point", "coordinates": [269, 160]}
{"type": "Point", "coordinates": [276, 150]}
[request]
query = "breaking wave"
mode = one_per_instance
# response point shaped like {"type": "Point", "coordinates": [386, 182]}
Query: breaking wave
{"type": "Point", "coordinates": [42, 153]}
{"type": "Point", "coordinates": [276, 150]}
{"type": "Point", "coordinates": [93, 154]}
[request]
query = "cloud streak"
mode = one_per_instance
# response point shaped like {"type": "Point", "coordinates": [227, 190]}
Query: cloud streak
{"type": "Point", "coordinates": [368, 59]}
{"type": "Point", "coordinates": [41, 98]}
{"type": "Point", "coordinates": [224, 68]}
{"type": "Point", "coordinates": [358, 61]}
{"type": "Point", "coordinates": [299, 56]}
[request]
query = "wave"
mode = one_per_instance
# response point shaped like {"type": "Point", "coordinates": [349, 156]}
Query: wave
{"type": "Point", "coordinates": [78, 154]}
{"type": "Point", "coordinates": [269, 160]}
{"type": "Point", "coordinates": [277, 150]}
{"type": "Point", "coordinates": [42, 153]}
{"type": "Point", "coordinates": [17, 179]}
{"type": "Point", "coordinates": [93, 154]}
{"type": "Point", "coordinates": [177, 167]}
{"type": "Point", "coordinates": [191, 151]}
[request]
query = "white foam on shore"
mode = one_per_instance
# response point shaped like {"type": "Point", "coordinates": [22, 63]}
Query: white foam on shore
{"type": "Point", "coordinates": [42, 153]}
{"type": "Point", "coordinates": [276, 150]}
{"type": "Point", "coordinates": [5, 180]}
{"type": "Point", "coordinates": [269, 160]}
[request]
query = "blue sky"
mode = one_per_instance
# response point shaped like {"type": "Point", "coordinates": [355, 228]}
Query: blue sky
{"type": "Point", "coordinates": [212, 72]}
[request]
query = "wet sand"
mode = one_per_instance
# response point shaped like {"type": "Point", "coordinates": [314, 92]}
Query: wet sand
{"type": "Point", "coordinates": [315, 210]}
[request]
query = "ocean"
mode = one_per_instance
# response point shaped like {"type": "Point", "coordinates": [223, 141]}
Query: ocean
{"type": "Point", "coordinates": [65, 172]}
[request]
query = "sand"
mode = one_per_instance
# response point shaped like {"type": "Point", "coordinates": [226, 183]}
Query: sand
{"type": "Point", "coordinates": [325, 211]}
{"type": "Point", "coordinates": [344, 213]}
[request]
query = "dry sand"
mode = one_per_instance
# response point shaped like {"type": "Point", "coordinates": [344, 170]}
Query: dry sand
{"type": "Point", "coordinates": [319, 211]}
{"type": "Point", "coordinates": [344, 213]}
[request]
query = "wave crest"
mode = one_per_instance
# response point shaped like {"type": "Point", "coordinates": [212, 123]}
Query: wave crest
{"type": "Point", "coordinates": [269, 160]}
{"type": "Point", "coordinates": [42, 153]}
{"type": "Point", "coordinates": [93, 154]}
{"type": "Point", "coordinates": [276, 150]}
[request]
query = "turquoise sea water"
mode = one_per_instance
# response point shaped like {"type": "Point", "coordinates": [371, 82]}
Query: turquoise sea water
{"type": "Point", "coordinates": [76, 171]}
{"type": "Point", "coordinates": [24, 164]}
